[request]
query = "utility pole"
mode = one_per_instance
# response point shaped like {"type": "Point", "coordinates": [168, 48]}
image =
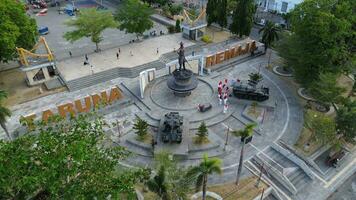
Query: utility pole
{"type": "Point", "coordinates": [260, 176]}
{"type": "Point", "coordinates": [227, 138]}
{"type": "Point", "coordinates": [118, 130]}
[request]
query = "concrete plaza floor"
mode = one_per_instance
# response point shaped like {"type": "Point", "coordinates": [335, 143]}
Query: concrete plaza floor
{"type": "Point", "coordinates": [61, 47]}
{"type": "Point", "coordinates": [144, 51]}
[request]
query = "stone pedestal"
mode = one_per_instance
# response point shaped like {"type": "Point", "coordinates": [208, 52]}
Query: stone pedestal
{"type": "Point", "coordinates": [182, 82]}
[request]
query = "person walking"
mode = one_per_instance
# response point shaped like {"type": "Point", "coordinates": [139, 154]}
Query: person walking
{"type": "Point", "coordinates": [117, 55]}
{"type": "Point", "coordinates": [70, 54]}
{"type": "Point", "coordinates": [119, 50]}
{"type": "Point", "coordinates": [86, 58]}
{"type": "Point", "coordinates": [157, 51]}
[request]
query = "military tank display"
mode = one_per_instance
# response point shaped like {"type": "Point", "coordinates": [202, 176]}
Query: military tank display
{"type": "Point", "coordinates": [250, 91]}
{"type": "Point", "coordinates": [172, 128]}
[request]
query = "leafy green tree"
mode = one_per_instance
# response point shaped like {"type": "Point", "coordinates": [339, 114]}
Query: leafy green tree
{"type": "Point", "coordinates": [216, 12]}
{"type": "Point", "coordinates": [245, 133]}
{"type": "Point", "coordinates": [4, 113]}
{"type": "Point", "coordinates": [222, 13]}
{"type": "Point", "coordinates": [269, 33]}
{"type": "Point", "coordinates": [323, 128]}
{"type": "Point", "coordinates": [242, 18]}
{"type": "Point", "coordinates": [175, 9]}
{"type": "Point", "coordinates": [177, 26]}
{"type": "Point", "coordinates": [17, 29]}
{"type": "Point", "coordinates": [90, 23]}
{"type": "Point", "coordinates": [65, 159]}
{"type": "Point", "coordinates": [201, 172]}
{"type": "Point", "coordinates": [140, 127]}
{"type": "Point", "coordinates": [134, 17]}
{"type": "Point", "coordinates": [211, 12]}
{"type": "Point", "coordinates": [321, 40]}
{"type": "Point", "coordinates": [158, 184]}
{"type": "Point", "coordinates": [231, 6]}
{"type": "Point", "coordinates": [202, 132]}
{"type": "Point", "coordinates": [326, 89]}
{"type": "Point", "coordinates": [345, 120]}
{"type": "Point", "coordinates": [177, 184]}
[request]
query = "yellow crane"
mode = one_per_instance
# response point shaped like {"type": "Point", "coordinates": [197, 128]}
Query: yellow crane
{"type": "Point", "coordinates": [25, 54]}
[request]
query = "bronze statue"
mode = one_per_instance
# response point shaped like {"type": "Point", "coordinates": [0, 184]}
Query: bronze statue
{"type": "Point", "coordinates": [181, 57]}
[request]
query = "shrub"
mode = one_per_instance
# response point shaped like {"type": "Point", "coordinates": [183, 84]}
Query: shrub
{"type": "Point", "coordinates": [206, 39]}
{"type": "Point", "coordinates": [171, 29]}
{"type": "Point", "coordinates": [177, 28]}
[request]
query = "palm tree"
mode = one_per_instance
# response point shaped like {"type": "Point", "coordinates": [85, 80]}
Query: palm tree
{"type": "Point", "coordinates": [269, 35]}
{"type": "Point", "coordinates": [4, 112]}
{"type": "Point", "coordinates": [158, 184]}
{"type": "Point", "coordinates": [201, 172]}
{"type": "Point", "coordinates": [245, 133]}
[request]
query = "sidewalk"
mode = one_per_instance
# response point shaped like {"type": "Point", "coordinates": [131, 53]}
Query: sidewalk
{"type": "Point", "coordinates": [143, 52]}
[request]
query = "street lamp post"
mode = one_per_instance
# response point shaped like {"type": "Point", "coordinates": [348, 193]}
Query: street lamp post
{"type": "Point", "coordinates": [227, 138]}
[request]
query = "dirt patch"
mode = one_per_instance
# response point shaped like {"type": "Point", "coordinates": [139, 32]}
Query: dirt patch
{"type": "Point", "coordinates": [246, 190]}
{"type": "Point", "coordinates": [13, 82]}
{"type": "Point", "coordinates": [305, 144]}
{"type": "Point", "coordinates": [216, 34]}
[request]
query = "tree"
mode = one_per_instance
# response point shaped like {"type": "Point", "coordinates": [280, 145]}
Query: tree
{"type": "Point", "coordinates": [90, 23]}
{"type": "Point", "coordinates": [140, 127]}
{"type": "Point", "coordinates": [211, 12]}
{"type": "Point", "coordinates": [216, 12]}
{"type": "Point", "coordinates": [222, 13]}
{"type": "Point", "coordinates": [134, 17]}
{"type": "Point", "coordinates": [245, 133]}
{"type": "Point", "coordinates": [17, 29]}
{"type": "Point", "coordinates": [4, 113]}
{"type": "Point", "coordinates": [177, 184]}
{"type": "Point", "coordinates": [345, 120]}
{"type": "Point", "coordinates": [202, 132]}
{"type": "Point", "coordinates": [242, 18]}
{"type": "Point", "coordinates": [269, 33]}
{"type": "Point", "coordinates": [65, 159]}
{"type": "Point", "coordinates": [231, 6]}
{"type": "Point", "coordinates": [326, 89]}
{"type": "Point", "coordinates": [321, 39]}
{"type": "Point", "coordinates": [158, 184]}
{"type": "Point", "coordinates": [177, 26]}
{"type": "Point", "coordinates": [206, 167]}
{"type": "Point", "coordinates": [323, 128]}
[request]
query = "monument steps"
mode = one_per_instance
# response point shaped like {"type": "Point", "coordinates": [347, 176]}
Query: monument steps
{"type": "Point", "coordinates": [111, 74]}
{"type": "Point", "coordinates": [218, 118]}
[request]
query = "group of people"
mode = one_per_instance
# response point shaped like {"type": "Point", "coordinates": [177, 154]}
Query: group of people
{"type": "Point", "coordinates": [223, 94]}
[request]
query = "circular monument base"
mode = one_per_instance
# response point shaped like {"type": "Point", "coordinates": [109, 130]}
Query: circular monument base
{"type": "Point", "coordinates": [182, 82]}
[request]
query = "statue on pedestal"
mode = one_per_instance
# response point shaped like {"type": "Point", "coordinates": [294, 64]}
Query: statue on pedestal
{"type": "Point", "coordinates": [181, 57]}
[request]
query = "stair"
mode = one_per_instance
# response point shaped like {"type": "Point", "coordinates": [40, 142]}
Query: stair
{"type": "Point", "coordinates": [110, 74]}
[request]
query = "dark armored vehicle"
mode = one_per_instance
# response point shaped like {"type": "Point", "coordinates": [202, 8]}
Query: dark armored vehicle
{"type": "Point", "coordinates": [172, 127]}
{"type": "Point", "coordinates": [250, 91]}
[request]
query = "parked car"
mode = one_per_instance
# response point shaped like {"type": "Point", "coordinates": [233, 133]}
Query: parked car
{"type": "Point", "coordinates": [43, 30]}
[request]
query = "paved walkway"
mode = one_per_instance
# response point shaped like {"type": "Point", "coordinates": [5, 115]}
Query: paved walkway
{"type": "Point", "coordinates": [142, 52]}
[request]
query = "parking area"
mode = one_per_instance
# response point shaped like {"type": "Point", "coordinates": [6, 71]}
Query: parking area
{"type": "Point", "coordinates": [55, 22]}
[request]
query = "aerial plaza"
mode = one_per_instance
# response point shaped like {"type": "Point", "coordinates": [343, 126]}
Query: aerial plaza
{"type": "Point", "coordinates": [178, 102]}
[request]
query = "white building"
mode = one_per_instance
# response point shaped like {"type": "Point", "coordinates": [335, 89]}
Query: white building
{"type": "Point", "coordinates": [281, 6]}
